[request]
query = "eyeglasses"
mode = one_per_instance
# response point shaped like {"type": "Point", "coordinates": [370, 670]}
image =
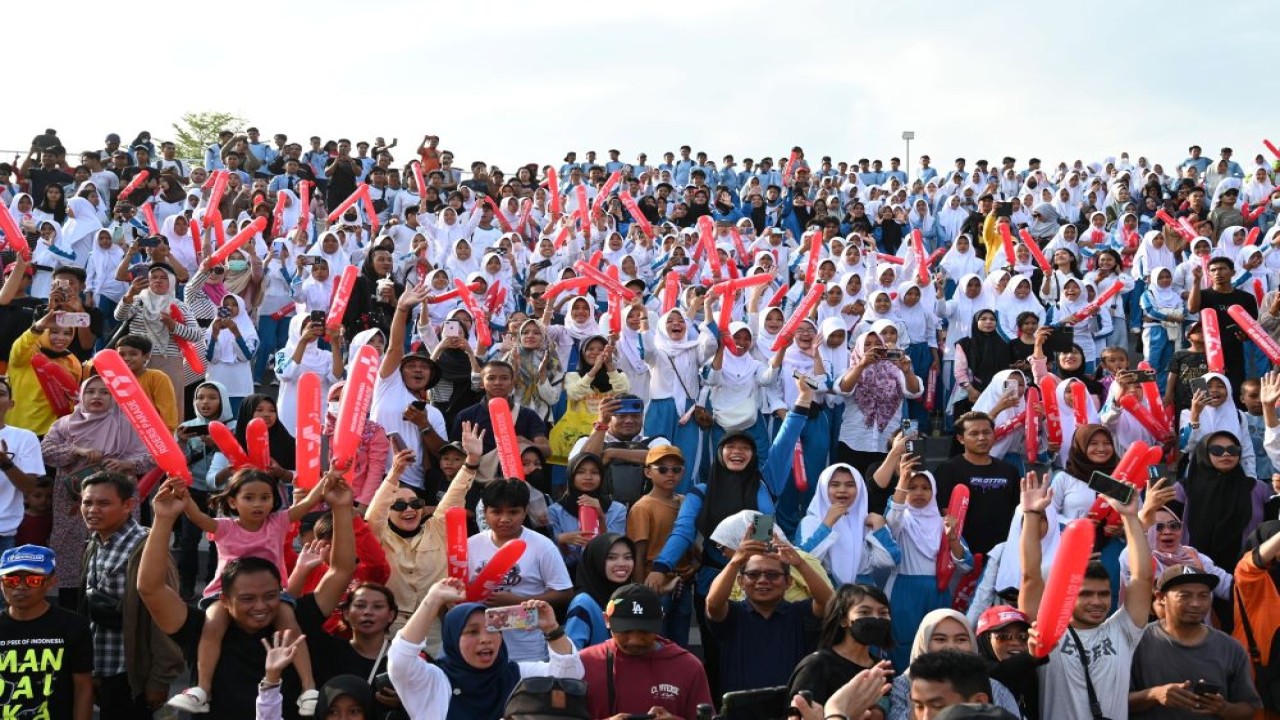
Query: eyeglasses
{"type": "Point", "coordinates": [402, 505]}
{"type": "Point", "coordinates": [1174, 525]}
{"type": "Point", "coordinates": [1228, 450]}
{"type": "Point", "coordinates": [535, 296]}
{"type": "Point", "coordinates": [32, 581]}
{"type": "Point", "coordinates": [218, 270]}
{"type": "Point", "coordinates": [770, 575]}
{"type": "Point", "coordinates": [1011, 636]}
{"type": "Point", "coordinates": [669, 469]}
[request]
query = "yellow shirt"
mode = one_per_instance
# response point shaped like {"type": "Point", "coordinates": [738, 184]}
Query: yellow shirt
{"type": "Point", "coordinates": [31, 408]}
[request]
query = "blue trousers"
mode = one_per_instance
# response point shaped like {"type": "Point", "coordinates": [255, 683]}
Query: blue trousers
{"type": "Point", "coordinates": [921, 360]}
{"type": "Point", "coordinates": [1158, 351]}
{"type": "Point", "coordinates": [109, 324]}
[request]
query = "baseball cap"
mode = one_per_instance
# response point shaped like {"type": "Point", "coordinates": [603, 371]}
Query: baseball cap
{"type": "Point", "coordinates": [423, 356]}
{"type": "Point", "coordinates": [453, 446]}
{"type": "Point", "coordinates": [1170, 578]}
{"type": "Point", "coordinates": [535, 698]}
{"type": "Point", "coordinates": [662, 451]}
{"type": "Point", "coordinates": [634, 607]}
{"type": "Point", "coordinates": [998, 616]}
{"type": "Point", "coordinates": [27, 558]}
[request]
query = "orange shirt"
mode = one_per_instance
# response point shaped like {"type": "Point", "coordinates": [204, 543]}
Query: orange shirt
{"type": "Point", "coordinates": [1262, 603]}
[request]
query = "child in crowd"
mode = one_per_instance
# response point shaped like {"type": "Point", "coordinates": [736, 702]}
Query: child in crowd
{"type": "Point", "coordinates": [37, 519]}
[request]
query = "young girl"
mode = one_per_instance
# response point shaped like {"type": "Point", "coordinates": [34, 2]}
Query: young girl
{"type": "Point", "coordinates": [918, 528]}
{"type": "Point", "coordinates": [585, 476]}
{"type": "Point", "coordinates": [1162, 315]}
{"type": "Point", "coordinates": [232, 341]}
{"type": "Point", "coordinates": [851, 542]}
{"type": "Point", "coordinates": [256, 527]}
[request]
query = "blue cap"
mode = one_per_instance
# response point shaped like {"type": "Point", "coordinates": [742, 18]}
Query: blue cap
{"type": "Point", "coordinates": [27, 558]}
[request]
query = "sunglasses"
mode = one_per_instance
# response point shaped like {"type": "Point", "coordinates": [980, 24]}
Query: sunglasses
{"type": "Point", "coordinates": [770, 575]}
{"type": "Point", "coordinates": [402, 505]}
{"type": "Point", "coordinates": [218, 270]}
{"type": "Point", "coordinates": [1011, 636]}
{"type": "Point", "coordinates": [1174, 525]}
{"type": "Point", "coordinates": [1227, 450]}
{"type": "Point", "coordinates": [669, 469]}
{"type": "Point", "coordinates": [32, 581]}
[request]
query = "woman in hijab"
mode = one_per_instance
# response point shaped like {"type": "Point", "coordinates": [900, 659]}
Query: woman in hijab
{"type": "Point", "coordinates": [1016, 299]}
{"type": "Point", "coordinates": [678, 354]}
{"type": "Point", "coordinates": [977, 359]}
{"type": "Point", "coordinates": [80, 231]}
{"type": "Point", "coordinates": [1212, 410]}
{"type": "Point", "coordinates": [1163, 313]}
{"type": "Point", "coordinates": [211, 404]}
{"type": "Point", "coordinates": [1223, 502]}
{"type": "Point", "coordinates": [457, 359]}
{"type": "Point", "coordinates": [943, 629]}
{"type": "Point", "coordinates": [916, 314]}
{"type": "Point", "coordinates": [1044, 223]}
{"type": "Point", "coordinates": [539, 379]}
{"type": "Point", "coordinates": [34, 396]}
{"type": "Point", "coordinates": [232, 341]}
{"type": "Point", "coordinates": [1165, 534]}
{"type": "Point", "coordinates": [960, 260]}
{"type": "Point", "coordinates": [95, 437]}
{"type": "Point", "coordinates": [875, 387]}
{"type": "Point", "coordinates": [737, 381]}
{"type": "Point", "coordinates": [303, 354]}
{"type": "Point", "coordinates": [473, 677]}
{"type": "Point", "coordinates": [608, 561]}
{"type": "Point", "coordinates": [177, 230]}
{"type": "Point", "coordinates": [1092, 450]}
{"type": "Point", "coordinates": [584, 479]}
{"type": "Point", "coordinates": [838, 530]}
{"type": "Point", "coordinates": [146, 310]}
{"type": "Point", "coordinates": [1002, 578]}
{"type": "Point", "coordinates": [374, 295]}
{"type": "Point", "coordinates": [595, 381]}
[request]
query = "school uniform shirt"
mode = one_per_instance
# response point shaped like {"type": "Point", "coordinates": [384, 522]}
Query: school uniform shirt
{"type": "Point", "coordinates": [1110, 649]}
{"type": "Point", "coordinates": [539, 570]}
{"type": "Point", "coordinates": [24, 447]}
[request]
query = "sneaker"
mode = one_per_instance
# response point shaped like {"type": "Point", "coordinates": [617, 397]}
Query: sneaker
{"type": "Point", "coordinates": [307, 703]}
{"type": "Point", "coordinates": [194, 700]}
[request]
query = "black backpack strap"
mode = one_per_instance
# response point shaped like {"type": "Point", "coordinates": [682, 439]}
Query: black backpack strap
{"type": "Point", "coordinates": [608, 673]}
{"type": "Point", "coordinates": [1254, 654]}
{"type": "Point", "coordinates": [1095, 708]}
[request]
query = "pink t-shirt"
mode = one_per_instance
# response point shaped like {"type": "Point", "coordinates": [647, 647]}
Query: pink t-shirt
{"type": "Point", "coordinates": [234, 541]}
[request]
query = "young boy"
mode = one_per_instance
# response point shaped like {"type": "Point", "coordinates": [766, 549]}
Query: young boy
{"type": "Point", "coordinates": [648, 525]}
{"type": "Point", "coordinates": [1187, 365]}
{"type": "Point", "coordinates": [1251, 397]}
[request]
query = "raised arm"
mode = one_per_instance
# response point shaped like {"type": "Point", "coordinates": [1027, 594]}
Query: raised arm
{"type": "Point", "coordinates": [1036, 496]}
{"type": "Point", "coordinates": [342, 558]}
{"type": "Point", "coordinates": [168, 610]}
{"type": "Point", "coordinates": [395, 344]}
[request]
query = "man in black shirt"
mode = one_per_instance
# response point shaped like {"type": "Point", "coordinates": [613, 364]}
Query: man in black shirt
{"type": "Point", "coordinates": [48, 172]}
{"type": "Point", "coordinates": [17, 307]}
{"type": "Point", "coordinates": [342, 172]}
{"type": "Point", "coordinates": [46, 652]}
{"type": "Point", "coordinates": [993, 483]}
{"type": "Point", "coordinates": [974, 223]}
{"type": "Point", "coordinates": [251, 593]}
{"type": "Point", "coordinates": [498, 380]}
{"type": "Point", "coordinates": [1220, 298]}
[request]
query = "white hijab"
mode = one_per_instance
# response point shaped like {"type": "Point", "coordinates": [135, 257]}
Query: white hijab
{"type": "Point", "coordinates": [844, 557]}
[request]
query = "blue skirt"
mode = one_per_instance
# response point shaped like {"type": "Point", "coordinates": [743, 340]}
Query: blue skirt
{"type": "Point", "coordinates": [661, 418]}
{"type": "Point", "coordinates": [913, 597]}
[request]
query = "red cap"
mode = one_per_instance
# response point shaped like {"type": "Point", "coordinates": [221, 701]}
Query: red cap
{"type": "Point", "coordinates": [994, 618]}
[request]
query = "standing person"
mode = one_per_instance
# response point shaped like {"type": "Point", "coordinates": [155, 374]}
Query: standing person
{"type": "Point", "coordinates": [341, 172]}
{"type": "Point", "coordinates": [1088, 671]}
{"type": "Point", "coordinates": [649, 524]}
{"type": "Point", "coordinates": [992, 483]}
{"type": "Point", "coordinates": [1182, 667]}
{"type": "Point", "coordinates": [133, 662]}
{"type": "Point", "coordinates": [1221, 296]}
{"type": "Point", "coordinates": [146, 309]}
{"type": "Point", "coordinates": [637, 670]}
{"type": "Point", "coordinates": [61, 681]}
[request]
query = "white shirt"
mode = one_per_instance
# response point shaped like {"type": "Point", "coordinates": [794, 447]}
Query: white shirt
{"type": "Point", "coordinates": [539, 569]}
{"type": "Point", "coordinates": [390, 399]}
{"type": "Point", "coordinates": [1110, 647]}
{"type": "Point", "coordinates": [25, 448]}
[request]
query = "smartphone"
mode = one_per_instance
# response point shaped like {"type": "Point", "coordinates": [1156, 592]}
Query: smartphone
{"type": "Point", "coordinates": [418, 404]}
{"type": "Point", "coordinates": [630, 406]}
{"type": "Point", "coordinates": [138, 271]}
{"type": "Point", "coordinates": [197, 430]}
{"type": "Point", "coordinates": [1004, 209]}
{"type": "Point", "coordinates": [1206, 688]}
{"type": "Point", "coordinates": [762, 528]}
{"type": "Point", "coordinates": [1200, 385]}
{"type": "Point", "coordinates": [1145, 375]}
{"type": "Point", "coordinates": [307, 261]}
{"type": "Point", "coordinates": [1061, 339]}
{"type": "Point", "coordinates": [1121, 492]}
{"type": "Point", "coordinates": [910, 433]}
{"type": "Point", "coordinates": [515, 617]}
{"type": "Point", "coordinates": [277, 247]}
{"type": "Point", "coordinates": [224, 312]}
{"type": "Point", "coordinates": [1011, 387]}
{"type": "Point", "coordinates": [149, 242]}
{"type": "Point", "coordinates": [72, 319]}
{"type": "Point", "coordinates": [382, 684]}
{"type": "Point", "coordinates": [451, 328]}
{"type": "Point", "coordinates": [893, 354]}
{"type": "Point", "coordinates": [397, 442]}
{"type": "Point", "coordinates": [317, 316]}
{"type": "Point", "coordinates": [813, 385]}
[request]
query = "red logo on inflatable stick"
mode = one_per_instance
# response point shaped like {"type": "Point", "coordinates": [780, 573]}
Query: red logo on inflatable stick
{"type": "Point", "coordinates": [222, 436]}
{"type": "Point", "coordinates": [504, 435]}
{"type": "Point", "coordinates": [801, 314]}
{"type": "Point", "coordinates": [1063, 585]}
{"type": "Point", "coordinates": [455, 524]}
{"type": "Point", "coordinates": [958, 508]}
{"type": "Point", "coordinates": [480, 321]}
{"type": "Point", "coordinates": [189, 351]}
{"type": "Point", "coordinates": [1052, 419]}
{"type": "Point", "coordinates": [256, 437]}
{"type": "Point", "coordinates": [307, 459]}
{"type": "Point", "coordinates": [341, 297]}
{"type": "Point", "coordinates": [495, 571]}
{"type": "Point", "coordinates": [1256, 333]}
{"type": "Point", "coordinates": [140, 413]}
{"type": "Point", "coordinates": [1212, 340]}
{"type": "Point", "coordinates": [57, 384]}
{"type": "Point", "coordinates": [353, 409]}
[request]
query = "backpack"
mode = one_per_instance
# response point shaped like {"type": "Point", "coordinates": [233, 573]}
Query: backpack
{"type": "Point", "coordinates": [624, 481]}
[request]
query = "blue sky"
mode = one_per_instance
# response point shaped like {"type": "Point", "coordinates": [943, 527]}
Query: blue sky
{"type": "Point", "coordinates": [513, 81]}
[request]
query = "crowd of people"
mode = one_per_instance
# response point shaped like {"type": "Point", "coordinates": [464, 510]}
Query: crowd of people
{"type": "Point", "coordinates": [745, 400]}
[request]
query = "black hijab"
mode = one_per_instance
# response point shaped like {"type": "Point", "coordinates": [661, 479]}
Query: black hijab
{"type": "Point", "coordinates": [729, 492]}
{"type": "Point", "coordinates": [1219, 505]}
{"type": "Point", "coordinates": [283, 446]}
{"type": "Point", "coordinates": [590, 576]}
{"type": "Point", "coordinates": [986, 352]}
{"type": "Point", "coordinates": [569, 501]}
{"type": "Point", "coordinates": [351, 685]}
{"type": "Point", "coordinates": [601, 382]}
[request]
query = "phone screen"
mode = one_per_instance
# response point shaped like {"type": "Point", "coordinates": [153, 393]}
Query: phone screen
{"type": "Point", "coordinates": [1104, 484]}
{"type": "Point", "coordinates": [762, 528]}
{"type": "Point", "coordinates": [452, 328]}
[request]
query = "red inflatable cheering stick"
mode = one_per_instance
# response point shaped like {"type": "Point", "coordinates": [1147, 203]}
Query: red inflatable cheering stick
{"type": "Point", "coordinates": [504, 436]}
{"type": "Point", "coordinates": [1212, 340]}
{"type": "Point", "coordinates": [189, 351]}
{"type": "Point", "coordinates": [1052, 420]}
{"type": "Point", "coordinates": [1080, 403]}
{"type": "Point", "coordinates": [1256, 332]}
{"type": "Point", "coordinates": [307, 450]}
{"type": "Point", "coordinates": [638, 217]}
{"type": "Point", "coordinates": [222, 437]}
{"type": "Point", "coordinates": [455, 523]}
{"type": "Point", "coordinates": [353, 409]}
{"type": "Point", "coordinates": [1063, 585]}
{"type": "Point", "coordinates": [798, 474]}
{"type": "Point", "coordinates": [1036, 252]}
{"type": "Point", "coordinates": [922, 261]}
{"type": "Point", "coordinates": [495, 571]}
{"type": "Point", "coordinates": [255, 436]}
{"type": "Point", "coordinates": [224, 251]}
{"type": "Point", "coordinates": [13, 236]}
{"type": "Point", "coordinates": [341, 297]}
{"type": "Point", "coordinates": [57, 384]}
{"type": "Point", "coordinates": [1031, 426]}
{"type": "Point", "coordinates": [801, 314]}
{"type": "Point", "coordinates": [138, 410]}
{"type": "Point", "coordinates": [480, 319]}
{"type": "Point", "coordinates": [957, 508]}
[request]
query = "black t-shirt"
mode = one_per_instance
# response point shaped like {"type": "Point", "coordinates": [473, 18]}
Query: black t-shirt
{"type": "Point", "coordinates": [993, 497]}
{"type": "Point", "coordinates": [822, 673]}
{"type": "Point", "coordinates": [342, 181]}
{"type": "Point", "coordinates": [331, 655]}
{"type": "Point", "coordinates": [37, 660]}
{"type": "Point", "coordinates": [41, 178]}
{"type": "Point", "coordinates": [528, 424]}
{"type": "Point", "coordinates": [240, 666]}
{"type": "Point", "coordinates": [1232, 342]}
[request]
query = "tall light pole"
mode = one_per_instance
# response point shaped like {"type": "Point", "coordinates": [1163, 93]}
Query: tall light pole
{"type": "Point", "coordinates": [908, 135]}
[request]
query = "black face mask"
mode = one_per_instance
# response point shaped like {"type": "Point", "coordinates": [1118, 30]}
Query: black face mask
{"type": "Point", "coordinates": [871, 631]}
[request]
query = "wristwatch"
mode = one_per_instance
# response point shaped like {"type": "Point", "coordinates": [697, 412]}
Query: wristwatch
{"type": "Point", "coordinates": [554, 634]}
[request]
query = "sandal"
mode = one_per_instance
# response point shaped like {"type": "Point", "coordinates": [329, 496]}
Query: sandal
{"type": "Point", "coordinates": [193, 700]}
{"type": "Point", "coordinates": [307, 703]}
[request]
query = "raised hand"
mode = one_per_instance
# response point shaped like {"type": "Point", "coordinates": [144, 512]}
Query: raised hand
{"type": "Point", "coordinates": [1036, 494]}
